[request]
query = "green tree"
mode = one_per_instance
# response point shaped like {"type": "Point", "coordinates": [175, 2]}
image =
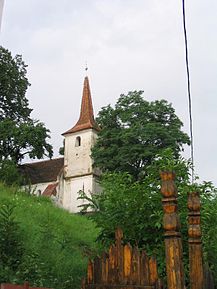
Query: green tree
{"type": "Point", "coordinates": [134, 132]}
{"type": "Point", "coordinates": [136, 207]}
{"type": "Point", "coordinates": [20, 135]}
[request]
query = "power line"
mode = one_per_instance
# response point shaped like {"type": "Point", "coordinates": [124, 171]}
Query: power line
{"type": "Point", "coordinates": [189, 89]}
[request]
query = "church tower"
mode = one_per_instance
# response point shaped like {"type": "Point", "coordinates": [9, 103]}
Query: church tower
{"type": "Point", "coordinates": [79, 173]}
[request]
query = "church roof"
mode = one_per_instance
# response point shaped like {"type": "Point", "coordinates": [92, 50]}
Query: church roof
{"type": "Point", "coordinates": [50, 190]}
{"type": "Point", "coordinates": [86, 119]}
{"type": "Point", "coordinates": [43, 171]}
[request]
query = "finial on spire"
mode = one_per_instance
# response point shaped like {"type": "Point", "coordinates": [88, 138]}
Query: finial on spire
{"type": "Point", "coordinates": [86, 67]}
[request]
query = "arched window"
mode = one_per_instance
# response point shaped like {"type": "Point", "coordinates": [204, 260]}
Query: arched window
{"type": "Point", "coordinates": [78, 141]}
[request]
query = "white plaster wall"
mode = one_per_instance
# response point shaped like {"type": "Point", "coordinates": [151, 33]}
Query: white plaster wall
{"type": "Point", "coordinates": [39, 187]}
{"type": "Point", "coordinates": [72, 187]}
{"type": "Point", "coordinates": [77, 160]}
{"type": "Point", "coordinates": [60, 189]}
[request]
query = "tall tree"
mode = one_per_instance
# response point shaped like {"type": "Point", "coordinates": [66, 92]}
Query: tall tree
{"type": "Point", "coordinates": [20, 135]}
{"type": "Point", "coordinates": [134, 132]}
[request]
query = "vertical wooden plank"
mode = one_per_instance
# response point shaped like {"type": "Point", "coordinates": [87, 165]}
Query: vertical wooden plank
{"type": "Point", "coordinates": [119, 255]}
{"type": "Point", "coordinates": [97, 270]}
{"type": "Point", "coordinates": [127, 263]}
{"type": "Point", "coordinates": [104, 265]}
{"type": "Point", "coordinates": [153, 271]}
{"type": "Point", "coordinates": [194, 241]}
{"type": "Point", "coordinates": [90, 269]}
{"type": "Point", "coordinates": [135, 266]}
{"type": "Point", "coordinates": [144, 269]}
{"type": "Point", "coordinates": [111, 264]}
{"type": "Point", "coordinates": [171, 224]}
{"type": "Point", "coordinates": [83, 283]}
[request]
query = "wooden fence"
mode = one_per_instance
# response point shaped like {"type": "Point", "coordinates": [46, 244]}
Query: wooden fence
{"type": "Point", "coordinates": [125, 267]}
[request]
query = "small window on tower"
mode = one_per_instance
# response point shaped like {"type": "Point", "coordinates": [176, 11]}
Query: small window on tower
{"type": "Point", "coordinates": [78, 141]}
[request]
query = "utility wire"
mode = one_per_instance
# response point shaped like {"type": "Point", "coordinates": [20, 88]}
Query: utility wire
{"type": "Point", "coordinates": [189, 90]}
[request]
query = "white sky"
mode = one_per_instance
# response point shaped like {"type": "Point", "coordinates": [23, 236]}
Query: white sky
{"type": "Point", "coordinates": [129, 45]}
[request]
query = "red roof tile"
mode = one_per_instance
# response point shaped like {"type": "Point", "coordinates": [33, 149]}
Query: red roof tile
{"type": "Point", "coordinates": [50, 190]}
{"type": "Point", "coordinates": [86, 119]}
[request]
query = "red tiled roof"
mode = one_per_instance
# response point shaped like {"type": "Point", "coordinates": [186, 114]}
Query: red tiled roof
{"type": "Point", "coordinates": [86, 119]}
{"type": "Point", "coordinates": [43, 171]}
{"type": "Point", "coordinates": [50, 190]}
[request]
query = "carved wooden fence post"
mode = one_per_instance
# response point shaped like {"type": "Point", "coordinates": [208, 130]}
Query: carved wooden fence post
{"type": "Point", "coordinates": [171, 224]}
{"type": "Point", "coordinates": [195, 244]}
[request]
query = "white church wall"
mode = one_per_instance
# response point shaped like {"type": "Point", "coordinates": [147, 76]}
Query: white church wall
{"type": "Point", "coordinates": [72, 187]}
{"type": "Point", "coordinates": [77, 158]}
{"type": "Point", "coordinates": [38, 189]}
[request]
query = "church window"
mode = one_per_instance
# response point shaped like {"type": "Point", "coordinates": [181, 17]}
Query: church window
{"type": "Point", "coordinates": [78, 141]}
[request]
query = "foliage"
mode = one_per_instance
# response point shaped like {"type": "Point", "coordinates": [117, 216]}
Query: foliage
{"type": "Point", "coordinates": [19, 134]}
{"type": "Point", "coordinates": [134, 132]}
{"type": "Point", "coordinates": [9, 173]}
{"type": "Point", "coordinates": [56, 244]}
{"type": "Point", "coordinates": [136, 207]}
{"type": "Point", "coordinates": [13, 86]}
{"type": "Point", "coordinates": [209, 227]}
{"type": "Point", "coordinates": [11, 243]}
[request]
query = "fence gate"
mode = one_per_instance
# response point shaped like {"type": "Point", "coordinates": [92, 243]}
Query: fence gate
{"type": "Point", "coordinates": [123, 267]}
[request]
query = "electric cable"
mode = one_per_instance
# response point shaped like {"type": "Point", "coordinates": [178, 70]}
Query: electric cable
{"type": "Point", "coordinates": [189, 90]}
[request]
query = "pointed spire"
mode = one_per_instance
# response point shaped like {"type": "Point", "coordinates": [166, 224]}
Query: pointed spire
{"type": "Point", "coordinates": [86, 119]}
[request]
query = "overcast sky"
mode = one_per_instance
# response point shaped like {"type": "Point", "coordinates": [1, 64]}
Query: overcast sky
{"type": "Point", "coordinates": [128, 45]}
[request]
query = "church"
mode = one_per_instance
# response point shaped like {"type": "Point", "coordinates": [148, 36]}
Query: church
{"type": "Point", "coordinates": [62, 178]}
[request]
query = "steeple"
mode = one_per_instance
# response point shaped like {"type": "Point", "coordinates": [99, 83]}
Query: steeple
{"type": "Point", "coordinates": [86, 119]}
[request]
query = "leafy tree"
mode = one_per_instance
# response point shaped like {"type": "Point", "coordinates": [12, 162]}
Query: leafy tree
{"type": "Point", "coordinates": [20, 135]}
{"type": "Point", "coordinates": [13, 87]}
{"type": "Point", "coordinates": [136, 207]}
{"type": "Point", "coordinates": [134, 132]}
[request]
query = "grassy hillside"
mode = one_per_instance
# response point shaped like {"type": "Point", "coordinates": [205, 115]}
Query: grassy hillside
{"type": "Point", "coordinates": [54, 244]}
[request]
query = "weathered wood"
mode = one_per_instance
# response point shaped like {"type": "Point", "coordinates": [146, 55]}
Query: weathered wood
{"type": "Point", "coordinates": [195, 244]}
{"type": "Point", "coordinates": [135, 266]}
{"type": "Point", "coordinates": [112, 265]}
{"type": "Point", "coordinates": [90, 269]}
{"type": "Point", "coordinates": [97, 270]}
{"type": "Point", "coordinates": [105, 265]}
{"type": "Point", "coordinates": [123, 267]}
{"type": "Point", "coordinates": [127, 263]}
{"type": "Point", "coordinates": [171, 224]}
{"type": "Point", "coordinates": [144, 269]}
{"type": "Point", "coordinates": [153, 271]}
{"type": "Point", "coordinates": [119, 256]}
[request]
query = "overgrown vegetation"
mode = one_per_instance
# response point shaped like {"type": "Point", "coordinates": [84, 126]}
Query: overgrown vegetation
{"type": "Point", "coordinates": [136, 207]}
{"type": "Point", "coordinates": [41, 243]}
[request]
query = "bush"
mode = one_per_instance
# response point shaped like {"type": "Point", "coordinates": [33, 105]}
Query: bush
{"type": "Point", "coordinates": [136, 208]}
{"type": "Point", "coordinates": [9, 173]}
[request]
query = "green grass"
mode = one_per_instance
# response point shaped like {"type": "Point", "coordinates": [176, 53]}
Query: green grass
{"type": "Point", "coordinates": [57, 244]}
